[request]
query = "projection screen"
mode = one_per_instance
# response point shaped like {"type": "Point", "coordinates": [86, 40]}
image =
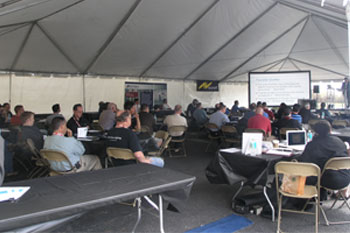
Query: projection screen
{"type": "Point", "coordinates": [276, 87]}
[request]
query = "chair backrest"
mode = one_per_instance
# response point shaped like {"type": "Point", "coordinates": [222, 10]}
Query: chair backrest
{"type": "Point", "coordinates": [212, 126]}
{"type": "Point", "coordinates": [177, 128]}
{"type": "Point", "coordinates": [55, 156]}
{"type": "Point", "coordinates": [146, 129]}
{"type": "Point", "coordinates": [340, 123]}
{"type": "Point", "coordinates": [32, 148]}
{"type": "Point", "coordinates": [228, 129]}
{"type": "Point", "coordinates": [255, 131]}
{"type": "Point", "coordinates": [120, 153]}
{"type": "Point", "coordinates": [162, 134]}
{"type": "Point", "coordinates": [283, 131]}
{"type": "Point", "coordinates": [337, 163]}
{"type": "Point", "coordinates": [164, 145]}
{"type": "Point", "coordinates": [297, 169]}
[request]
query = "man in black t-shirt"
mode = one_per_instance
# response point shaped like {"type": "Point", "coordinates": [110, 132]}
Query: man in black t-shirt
{"type": "Point", "coordinates": [123, 137]}
{"type": "Point", "coordinates": [77, 120]}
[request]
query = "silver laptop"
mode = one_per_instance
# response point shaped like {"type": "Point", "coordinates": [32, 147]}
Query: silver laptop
{"type": "Point", "coordinates": [82, 132]}
{"type": "Point", "coordinates": [296, 139]}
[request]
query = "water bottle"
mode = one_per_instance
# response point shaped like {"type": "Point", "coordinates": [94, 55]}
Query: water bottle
{"type": "Point", "coordinates": [309, 136]}
{"type": "Point", "coordinates": [322, 115]}
{"type": "Point", "coordinates": [253, 147]}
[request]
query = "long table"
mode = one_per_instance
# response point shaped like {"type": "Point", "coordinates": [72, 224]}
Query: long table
{"type": "Point", "coordinates": [59, 197]}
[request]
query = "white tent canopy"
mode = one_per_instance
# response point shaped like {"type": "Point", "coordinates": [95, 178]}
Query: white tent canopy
{"type": "Point", "coordinates": [174, 39]}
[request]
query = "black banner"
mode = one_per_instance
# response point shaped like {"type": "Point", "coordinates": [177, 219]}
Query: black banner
{"type": "Point", "coordinates": [206, 85]}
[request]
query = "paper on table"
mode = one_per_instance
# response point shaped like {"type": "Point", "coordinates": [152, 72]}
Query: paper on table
{"type": "Point", "coordinates": [12, 193]}
{"type": "Point", "coordinates": [231, 150]}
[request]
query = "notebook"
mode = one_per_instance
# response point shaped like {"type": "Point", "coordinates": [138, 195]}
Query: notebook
{"type": "Point", "coordinates": [296, 139]}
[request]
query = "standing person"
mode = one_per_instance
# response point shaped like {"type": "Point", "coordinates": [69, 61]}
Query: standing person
{"type": "Point", "coordinates": [77, 120]}
{"type": "Point", "coordinates": [345, 88]}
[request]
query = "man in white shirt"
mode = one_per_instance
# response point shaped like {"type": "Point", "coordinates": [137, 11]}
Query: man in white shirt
{"type": "Point", "coordinates": [176, 120]}
{"type": "Point", "coordinates": [219, 118]}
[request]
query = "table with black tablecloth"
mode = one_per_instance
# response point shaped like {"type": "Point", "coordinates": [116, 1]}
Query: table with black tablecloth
{"type": "Point", "coordinates": [233, 168]}
{"type": "Point", "coordinates": [58, 197]}
{"type": "Point", "coordinates": [342, 133]}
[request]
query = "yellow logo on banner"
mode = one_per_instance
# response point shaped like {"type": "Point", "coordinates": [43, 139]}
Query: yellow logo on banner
{"type": "Point", "coordinates": [205, 85]}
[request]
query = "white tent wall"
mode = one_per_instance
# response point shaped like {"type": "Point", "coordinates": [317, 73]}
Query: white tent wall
{"type": "Point", "coordinates": [38, 94]}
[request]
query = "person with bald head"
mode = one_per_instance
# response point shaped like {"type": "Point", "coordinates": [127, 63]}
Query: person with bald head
{"type": "Point", "coordinates": [176, 120]}
{"type": "Point", "coordinates": [260, 122]}
{"type": "Point", "coordinates": [107, 117]}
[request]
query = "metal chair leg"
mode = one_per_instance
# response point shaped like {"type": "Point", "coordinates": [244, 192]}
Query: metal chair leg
{"type": "Point", "coordinates": [270, 204]}
{"type": "Point", "coordinates": [279, 214]}
{"type": "Point", "coordinates": [138, 200]}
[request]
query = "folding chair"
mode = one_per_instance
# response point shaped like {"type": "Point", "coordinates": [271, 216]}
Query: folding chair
{"type": "Point", "coordinates": [213, 134]}
{"type": "Point", "coordinates": [163, 147]}
{"type": "Point", "coordinates": [57, 156]}
{"type": "Point", "coordinates": [177, 140]}
{"type": "Point", "coordinates": [335, 164]}
{"type": "Point", "coordinates": [42, 166]}
{"type": "Point", "coordinates": [118, 153]}
{"type": "Point", "coordinates": [256, 131]}
{"type": "Point", "coordinates": [230, 135]}
{"type": "Point", "coordinates": [310, 191]}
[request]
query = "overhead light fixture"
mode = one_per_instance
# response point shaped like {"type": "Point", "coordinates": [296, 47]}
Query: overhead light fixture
{"type": "Point", "coordinates": [322, 2]}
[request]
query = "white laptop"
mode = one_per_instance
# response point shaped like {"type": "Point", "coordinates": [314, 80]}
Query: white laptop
{"type": "Point", "coordinates": [252, 143]}
{"type": "Point", "coordinates": [82, 132]}
{"type": "Point", "coordinates": [296, 139]}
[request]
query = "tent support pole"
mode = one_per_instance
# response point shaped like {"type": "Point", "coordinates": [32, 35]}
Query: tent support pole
{"type": "Point", "coordinates": [179, 37]}
{"type": "Point", "coordinates": [14, 63]}
{"type": "Point", "coordinates": [10, 87]}
{"type": "Point", "coordinates": [112, 35]}
{"type": "Point", "coordinates": [84, 96]}
{"type": "Point", "coordinates": [318, 67]}
{"type": "Point", "coordinates": [293, 63]}
{"type": "Point", "coordinates": [330, 43]}
{"type": "Point", "coordinates": [230, 40]}
{"type": "Point", "coordinates": [263, 48]}
{"type": "Point", "coordinates": [59, 48]}
{"type": "Point", "coordinates": [348, 18]}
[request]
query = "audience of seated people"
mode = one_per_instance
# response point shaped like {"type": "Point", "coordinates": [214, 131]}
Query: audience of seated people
{"type": "Point", "coordinates": [56, 109]}
{"type": "Point", "coordinates": [260, 122]}
{"type": "Point", "coordinates": [77, 120]}
{"type": "Point", "coordinates": [16, 119]}
{"type": "Point", "coordinates": [200, 116]}
{"type": "Point", "coordinates": [107, 117]}
{"type": "Point", "coordinates": [286, 121]}
{"type": "Point", "coordinates": [127, 139]}
{"type": "Point", "coordinates": [219, 118]}
{"type": "Point", "coordinates": [73, 148]}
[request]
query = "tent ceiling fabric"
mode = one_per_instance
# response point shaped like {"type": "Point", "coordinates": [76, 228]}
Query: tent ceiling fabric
{"type": "Point", "coordinates": [183, 39]}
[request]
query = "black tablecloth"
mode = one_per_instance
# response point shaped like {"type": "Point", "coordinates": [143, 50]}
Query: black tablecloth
{"type": "Point", "coordinates": [61, 196]}
{"type": "Point", "coordinates": [231, 168]}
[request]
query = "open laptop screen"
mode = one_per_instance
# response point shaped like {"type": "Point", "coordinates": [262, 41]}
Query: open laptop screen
{"type": "Point", "coordinates": [296, 137]}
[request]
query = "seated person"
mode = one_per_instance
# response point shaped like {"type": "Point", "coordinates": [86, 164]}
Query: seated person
{"type": "Point", "coordinates": [77, 120]}
{"type": "Point", "coordinates": [323, 112]}
{"type": "Point", "coordinates": [126, 138]}
{"type": "Point", "coordinates": [323, 147]}
{"type": "Point", "coordinates": [107, 117]}
{"type": "Point", "coordinates": [219, 118]}
{"type": "Point", "coordinates": [2, 169]}
{"type": "Point", "coordinates": [295, 113]}
{"type": "Point", "coordinates": [191, 108]}
{"type": "Point", "coordinates": [268, 111]}
{"type": "Point", "coordinates": [165, 106]}
{"type": "Point", "coordinates": [280, 111]}
{"type": "Point", "coordinates": [200, 116]}
{"type": "Point", "coordinates": [260, 122]}
{"type": "Point", "coordinates": [7, 112]}
{"type": "Point", "coordinates": [16, 119]}
{"type": "Point", "coordinates": [56, 112]}
{"type": "Point", "coordinates": [147, 118]}
{"type": "Point", "coordinates": [306, 114]}
{"type": "Point", "coordinates": [28, 130]}
{"type": "Point", "coordinates": [286, 121]}
{"type": "Point", "coordinates": [73, 148]}
{"type": "Point", "coordinates": [130, 107]}
{"type": "Point", "coordinates": [176, 120]}
{"type": "Point", "coordinates": [235, 108]}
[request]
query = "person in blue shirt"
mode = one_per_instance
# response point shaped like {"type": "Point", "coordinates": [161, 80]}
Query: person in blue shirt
{"type": "Point", "coordinates": [200, 116]}
{"type": "Point", "coordinates": [73, 149]}
{"type": "Point", "coordinates": [295, 113]}
{"type": "Point", "coordinates": [235, 108]}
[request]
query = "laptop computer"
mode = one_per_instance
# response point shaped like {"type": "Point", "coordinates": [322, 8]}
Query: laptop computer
{"type": "Point", "coordinates": [296, 139]}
